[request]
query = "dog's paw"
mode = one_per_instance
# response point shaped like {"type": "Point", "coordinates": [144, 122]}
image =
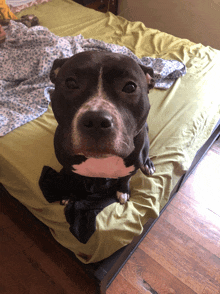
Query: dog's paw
{"type": "Point", "coordinates": [122, 197]}
{"type": "Point", "coordinates": [149, 168]}
{"type": "Point", "coordinates": [64, 202]}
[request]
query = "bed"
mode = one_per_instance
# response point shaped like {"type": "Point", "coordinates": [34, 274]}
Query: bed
{"type": "Point", "coordinates": [183, 123]}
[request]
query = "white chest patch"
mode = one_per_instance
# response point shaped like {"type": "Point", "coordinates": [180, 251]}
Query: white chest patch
{"type": "Point", "coordinates": [110, 167]}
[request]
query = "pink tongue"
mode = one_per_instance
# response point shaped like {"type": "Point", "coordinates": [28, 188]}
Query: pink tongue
{"type": "Point", "coordinates": [110, 167]}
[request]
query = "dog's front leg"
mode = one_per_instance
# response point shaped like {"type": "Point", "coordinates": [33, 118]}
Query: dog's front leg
{"type": "Point", "coordinates": [123, 191]}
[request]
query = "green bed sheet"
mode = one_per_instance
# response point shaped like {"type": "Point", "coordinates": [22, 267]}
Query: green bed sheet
{"type": "Point", "coordinates": [180, 121]}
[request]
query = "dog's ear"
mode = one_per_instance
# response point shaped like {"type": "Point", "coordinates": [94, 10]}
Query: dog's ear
{"type": "Point", "coordinates": [57, 64]}
{"type": "Point", "coordinates": [149, 76]}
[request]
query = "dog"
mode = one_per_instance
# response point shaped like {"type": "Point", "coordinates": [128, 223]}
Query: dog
{"type": "Point", "coordinates": [101, 105]}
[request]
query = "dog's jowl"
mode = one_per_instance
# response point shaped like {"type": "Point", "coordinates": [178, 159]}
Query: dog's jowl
{"type": "Point", "coordinates": [101, 105]}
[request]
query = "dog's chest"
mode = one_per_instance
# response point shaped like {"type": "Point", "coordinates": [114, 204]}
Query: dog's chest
{"type": "Point", "coordinates": [110, 167]}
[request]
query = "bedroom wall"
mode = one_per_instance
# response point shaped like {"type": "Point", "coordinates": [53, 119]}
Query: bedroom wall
{"type": "Point", "coordinates": [196, 20]}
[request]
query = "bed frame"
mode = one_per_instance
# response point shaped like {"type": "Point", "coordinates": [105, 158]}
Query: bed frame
{"type": "Point", "coordinates": [105, 271]}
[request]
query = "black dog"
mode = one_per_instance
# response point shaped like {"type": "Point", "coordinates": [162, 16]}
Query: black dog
{"type": "Point", "coordinates": [101, 105]}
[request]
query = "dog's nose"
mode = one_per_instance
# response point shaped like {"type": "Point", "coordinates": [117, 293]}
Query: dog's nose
{"type": "Point", "coordinates": [96, 121]}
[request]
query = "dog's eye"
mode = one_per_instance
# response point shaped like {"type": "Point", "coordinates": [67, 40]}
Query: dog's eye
{"type": "Point", "coordinates": [130, 87]}
{"type": "Point", "coordinates": [71, 83]}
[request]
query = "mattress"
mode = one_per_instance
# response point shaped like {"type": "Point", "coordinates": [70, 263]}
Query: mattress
{"type": "Point", "coordinates": [180, 121]}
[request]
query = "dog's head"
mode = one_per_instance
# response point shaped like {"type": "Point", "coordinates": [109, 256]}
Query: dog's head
{"type": "Point", "coordinates": [100, 102]}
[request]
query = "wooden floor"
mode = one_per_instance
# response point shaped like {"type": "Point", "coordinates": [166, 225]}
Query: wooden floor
{"type": "Point", "coordinates": [180, 255]}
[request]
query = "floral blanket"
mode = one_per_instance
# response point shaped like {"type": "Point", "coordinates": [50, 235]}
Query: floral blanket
{"type": "Point", "coordinates": [26, 58]}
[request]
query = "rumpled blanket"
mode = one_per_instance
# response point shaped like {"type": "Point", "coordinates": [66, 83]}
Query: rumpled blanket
{"type": "Point", "coordinates": [26, 58]}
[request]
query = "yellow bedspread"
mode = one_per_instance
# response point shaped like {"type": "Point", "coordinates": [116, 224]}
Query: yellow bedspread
{"type": "Point", "coordinates": [180, 121]}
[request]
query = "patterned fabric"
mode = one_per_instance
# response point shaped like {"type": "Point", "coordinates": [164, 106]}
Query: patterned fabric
{"type": "Point", "coordinates": [2, 34]}
{"type": "Point", "coordinates": [5, 12]}
{"type": "Point", "coordinates": [26, 58]}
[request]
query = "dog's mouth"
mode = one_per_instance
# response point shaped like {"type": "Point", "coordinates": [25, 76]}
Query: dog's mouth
{"type": "Point", "coordinates": [104, 148]}
{"type": "Point", "coordinates": [95, 155]}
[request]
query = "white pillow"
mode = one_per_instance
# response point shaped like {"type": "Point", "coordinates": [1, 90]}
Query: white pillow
{"type": "Point", "coordinates": [18, 5]}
